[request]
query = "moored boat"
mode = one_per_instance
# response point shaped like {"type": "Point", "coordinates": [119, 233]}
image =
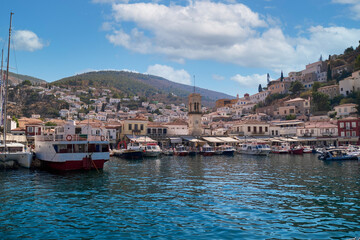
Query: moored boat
{"type": "Point", "coordinates": [180, 150]}
{"type": "Point", "coordinates": [259, 149]}
{"type": "Point", "coordinates": [336, 155]}
{"type": "Point", "coordinates": [10, 153]}
{"type": "Point", "coordinates": [297, 150]}
{"type": "Point", "coordinates": [15, 152]}
{"type": "Point", "coordinates": [207, 150]}
{"type": "Point", "coordinates": [65, 150]}
{"type": "Point", "coordinates": [168, 152]}
{"type": "Point", "coordinates": [133, 150]}
{"type": "Point", "coordinates": [227, 150]}
{"type": "Point", "coordinates": [283, 148]}
{"type": "Point", "coordinates": [151, 150]}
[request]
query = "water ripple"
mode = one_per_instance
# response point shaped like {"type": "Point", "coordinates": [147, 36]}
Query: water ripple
{"type": "Point", "coordinates": [241, 197]}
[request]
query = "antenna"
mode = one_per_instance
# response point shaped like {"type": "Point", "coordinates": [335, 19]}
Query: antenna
{"type": "Point", "coordinates": [194, 83]}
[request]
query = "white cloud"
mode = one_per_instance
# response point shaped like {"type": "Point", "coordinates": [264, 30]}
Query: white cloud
{"type": "Point", "coordinates": [251, 81]}
{"type": "Point", "coordinates": [223, 32]}
{"type": "Point", "coordinates": [179, 76]}
{"type": "Point", "coordinates": [218, 77]}
{"type": "Point", "coordinates": [27, 41]}
{"type": "Point", "coordinates": [354, 7]}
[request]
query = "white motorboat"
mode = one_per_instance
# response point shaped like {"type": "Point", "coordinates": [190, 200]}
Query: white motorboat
{"type": "Point", "coordinates": [254, 149]}
{"type": "Point", "coordinates": [151, 150]}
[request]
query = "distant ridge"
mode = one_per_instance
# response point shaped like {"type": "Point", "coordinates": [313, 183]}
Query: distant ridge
{"type": "Point", "coordinates": [143, 85]}
{"type": "Point", "coordinates": [15, 79]}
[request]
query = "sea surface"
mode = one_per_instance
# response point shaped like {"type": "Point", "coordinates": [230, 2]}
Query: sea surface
{"type": "Point", "coordinates": [218, 197]}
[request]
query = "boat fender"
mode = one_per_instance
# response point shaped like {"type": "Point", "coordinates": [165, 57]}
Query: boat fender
{"type": "Point", "coordinates": [69, 137]}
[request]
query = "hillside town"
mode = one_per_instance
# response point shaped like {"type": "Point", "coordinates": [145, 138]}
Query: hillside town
{"type": "Point", "coordinates": [292, 116]}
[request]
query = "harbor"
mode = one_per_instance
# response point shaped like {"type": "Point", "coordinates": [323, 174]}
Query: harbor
{"type": "Point", "coordinates": [213, 197]}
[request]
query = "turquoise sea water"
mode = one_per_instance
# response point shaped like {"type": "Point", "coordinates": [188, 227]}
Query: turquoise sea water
{"type": "Point", "coordinates": [219, 197]}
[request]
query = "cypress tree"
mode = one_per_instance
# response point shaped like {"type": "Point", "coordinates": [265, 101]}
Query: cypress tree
{"type": "Point", "coordinates": [329, 73]}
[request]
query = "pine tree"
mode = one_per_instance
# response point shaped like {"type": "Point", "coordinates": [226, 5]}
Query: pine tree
{"type": "Point", "coordinates": [260, 88]}
{"type": "Point", "coordinates": [282, 77]}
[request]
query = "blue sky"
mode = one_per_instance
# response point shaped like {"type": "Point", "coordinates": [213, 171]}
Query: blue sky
{"type": "Point", "coordinates": [229, 46]}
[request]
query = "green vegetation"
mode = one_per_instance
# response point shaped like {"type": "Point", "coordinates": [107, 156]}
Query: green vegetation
{"type": "Point", "coordinates": [320, 102]}
{"type": "Point", "coordinates": [296, 87]}
{"type": "Point", "coordinates": [290, 117]}
{"type": "Point", "coordinates": [50, 124]}
{"type": "Point", "coordinates": [271, 98]}
{"type": "Point", "coordinates": [29, 102]}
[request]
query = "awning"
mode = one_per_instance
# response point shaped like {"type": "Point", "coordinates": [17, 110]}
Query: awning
{"type": "Point", "coordinates": [191, 139]}
{"type": "Point", "coordinates": [187, 138]}
{"type": "Point", "coordinates": [212, 140]}
{"type": "Point", "coordinates": [353, 139]}
{"type": "Point", "coordinates": [140, 139]}
{"type": "Point", "coordinates": [175, 140]}
{"type": "Point", "coordinates": [228, 139]}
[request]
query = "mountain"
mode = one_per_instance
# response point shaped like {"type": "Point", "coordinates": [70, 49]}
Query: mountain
{"type": "Point", "coordinates": [15, 79]}
{"type": "Point", "coordinates": [147, 86]}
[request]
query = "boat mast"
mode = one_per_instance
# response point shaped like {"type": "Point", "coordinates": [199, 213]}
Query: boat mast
{"type": "Point", "coordinates": [1, 88]}
{"type": "Point", "coordinates": [7, 82]}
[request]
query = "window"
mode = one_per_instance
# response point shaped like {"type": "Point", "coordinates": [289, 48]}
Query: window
{"type": "Point", "coordinates": [348, 133]}
{"type": "Point", "coordinates": [353, 124]}
{"type": "Point", "coordinates": [266, 129]}
{"type": "Point", "coordinates": [130, 126]}
{"type": "Point", "coordinates": [249, 129]}
{"type": "Point", "coordinates": [343, 134]}
{"type": "Point", "coordinates": [136, 127]}
{"type": "Point", "coordinates": [354, 133]}
{"type": "Point", "coordinates": [341, 125]}
{"type": "Point", "coordinates": [142, 127]}
{"type": "Point", "coordinates": [347, 125]}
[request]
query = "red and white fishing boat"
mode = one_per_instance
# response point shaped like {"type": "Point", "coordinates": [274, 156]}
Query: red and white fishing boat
{"type": "Point", "coordinates": [180, 150]}
{"type": "Point", "coordinates": [298, 150]}
{"type": "Point", "coordinates": [68, 148]}
{"type": "Point", "coordinates": [207, 150]}
{"type": "Point", "coordinates": [283, 148]}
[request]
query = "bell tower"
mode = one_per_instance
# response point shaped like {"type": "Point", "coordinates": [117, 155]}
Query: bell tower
{"type": "Point", "coordinates": [195, 114]}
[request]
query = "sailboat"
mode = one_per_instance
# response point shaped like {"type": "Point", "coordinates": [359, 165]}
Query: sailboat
{"type": "Point", "coordinates": [11, 153]}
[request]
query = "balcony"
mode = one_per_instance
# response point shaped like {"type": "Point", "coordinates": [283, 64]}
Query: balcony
{"type": "Point", "coordinates": [307, 134]}
{"type": "Point", "coordinates": [327, 134]}
{"type": "Point", "coordinates": [258, 133]}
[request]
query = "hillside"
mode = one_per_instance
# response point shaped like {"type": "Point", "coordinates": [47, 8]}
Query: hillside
{"type": "Point", "coordinates": [147, 86]}
{"type": "Point", "coordinates": [25, 101]}
{"type": "Point", "coordinates": [15, 79]}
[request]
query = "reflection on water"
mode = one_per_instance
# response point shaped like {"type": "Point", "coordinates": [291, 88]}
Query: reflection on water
{"type": "Point", "coordinates": [219, 197]}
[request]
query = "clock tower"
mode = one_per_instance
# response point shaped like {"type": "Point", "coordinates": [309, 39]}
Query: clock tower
{"type": "Point", "coordinates": [194, 114]}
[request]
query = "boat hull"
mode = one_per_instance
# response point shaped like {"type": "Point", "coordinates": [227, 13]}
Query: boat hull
{"type": "Point", "coordinates": [182, 154]}
{"type": "Point", "coordinates": [84, 164]}
{"type": "Point", "coordinates": [299, 151]}
{"type": "Point", "coordinates": [24, 159]}
{"type": "Point", "coordinates": [151, 154]}
{"type": "Point", "coordinates": [207, 154]}
{"type": "Point", "coordinates": [132, 154]}
{"type": "Point", "coordinates": [228, 153]}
